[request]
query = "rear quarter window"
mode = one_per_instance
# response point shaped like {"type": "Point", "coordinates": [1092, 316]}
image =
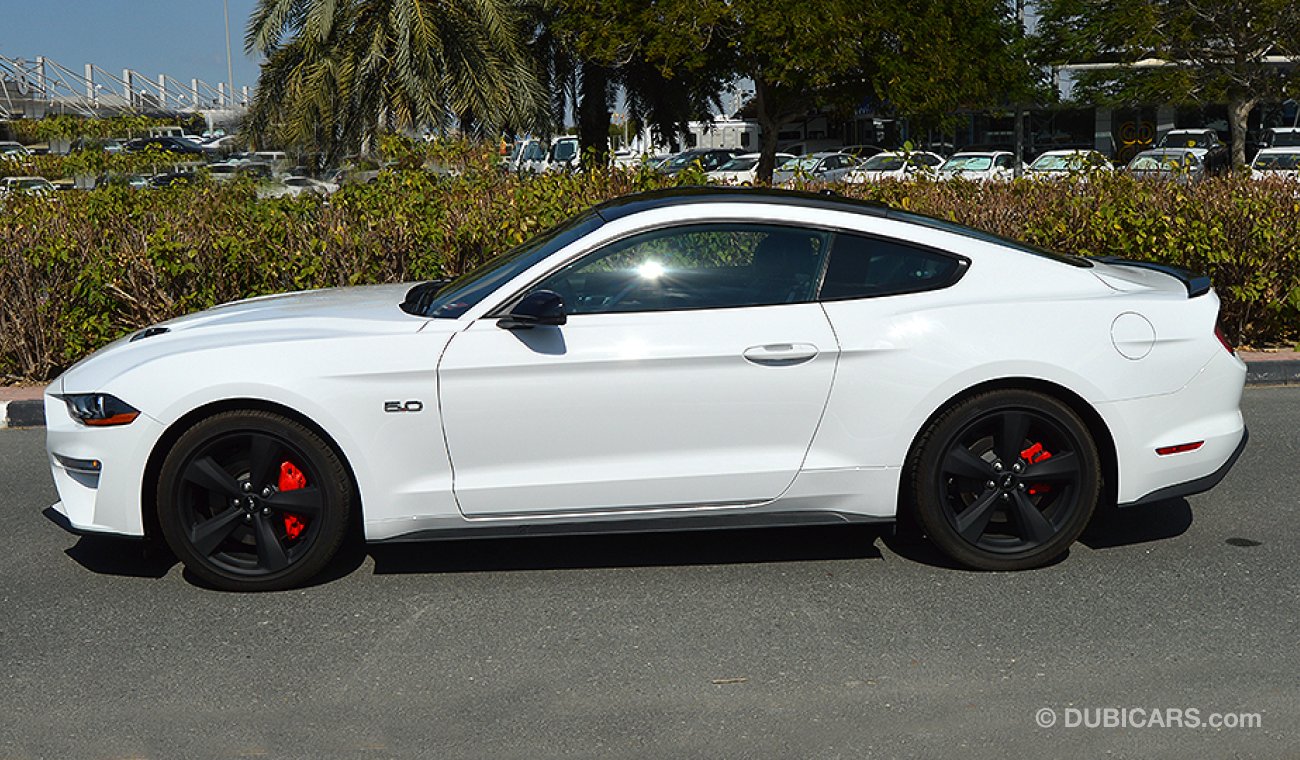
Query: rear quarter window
{"type": "Point", "coordinates": [867, 267]}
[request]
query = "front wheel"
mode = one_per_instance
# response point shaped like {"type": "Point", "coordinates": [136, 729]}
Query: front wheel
{"type": "Point", "coordinates": [1006, 480]}
{"type": "Point", "coordinates": [253, 501]}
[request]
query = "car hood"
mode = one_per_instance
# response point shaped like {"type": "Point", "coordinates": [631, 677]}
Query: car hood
{"type": "Point", "coordinates": [305, 316]}
{"type": "Point", "coordinates": [366, 307]}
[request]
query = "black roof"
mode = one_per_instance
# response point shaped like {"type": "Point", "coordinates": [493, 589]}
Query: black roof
{"type": "Point", "coordinates": [690, 196]}
{"type": "Point", "coordinates": [826, 200]}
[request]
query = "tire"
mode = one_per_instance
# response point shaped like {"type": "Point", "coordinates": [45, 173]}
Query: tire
{"type": "Point", "coordinates": [1005, 480]}
{"type": "Point", "coordinates": [235, 513]}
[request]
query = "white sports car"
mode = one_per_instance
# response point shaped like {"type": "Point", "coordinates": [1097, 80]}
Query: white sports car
{"type": "Point", "coordinates": [707, 358]}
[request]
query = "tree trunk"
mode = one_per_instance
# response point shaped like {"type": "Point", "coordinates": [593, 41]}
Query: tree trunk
{"type": "Point", "coordinates": [593, 115]}
{"type": "Point", "coordinates": [1239, 108]}
{"type": "Point", "coordinates": [767, 126]}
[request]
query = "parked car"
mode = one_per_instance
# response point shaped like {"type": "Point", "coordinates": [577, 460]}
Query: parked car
{"type": "Point", "coordinates": [11, 150]}
{"type": "Point", "coordinates": [862, 152]}
{"type": "Point", "coordinates": [743, 169]}
{"type": "Point", "coordinates": [223, 143]}
{"type": "Point", "coordinates": [174, 179]}
{"type": "Point", "coordinates": [896, 165]}
{"type": "Point", "coordinates": [27, 185]}
{"type": "Point", "coordinates": [563, 155]}
{"type": "Point", "coordinates": [1280, 137]}
{"type": "Point", "coordinates": [1063, 163]}
{"type": "Point", "coordinates": [225, 171]}
{"type": "Point", "coordinates": [107, 144]}
{"type": "Point", "coordinates": [1178, 164]}
{"type": "Point", "coordinates": [707, 158]}
{"type": "Point", "coordinates": [815, 167]}
{"type": "Point", "coordinates": [531, 157]}
{"type": "Point", "coordinates": [1210, 151]}
{"type": "Point", "coordinates": [995, 166]}
{"type": "Point", "coordinates": [295, 186]}
{"type": "Point", "coordinates": [178, 145]}
{"type": "Point", "coordinates": [278, 160]}
{"type": "Point", "coordinates": [1281, 163]}
{"type": "Point", "coordinates": [685, 359]}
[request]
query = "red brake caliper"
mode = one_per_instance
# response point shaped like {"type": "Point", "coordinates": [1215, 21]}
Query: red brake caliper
{"type": "Point", "coordinates": [291, 479]}
{"type": "Point", "coordinates": [1033, 455]}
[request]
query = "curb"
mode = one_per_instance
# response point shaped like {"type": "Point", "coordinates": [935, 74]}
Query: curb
{"type": "Point", "coordinates": [22, 413]}
{"type": "Point", "coordinates": [26, 413]}
{"type": "Point", "coordinates": [1285, 372]}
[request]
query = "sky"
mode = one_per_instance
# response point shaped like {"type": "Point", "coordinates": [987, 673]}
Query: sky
{"type": "Point", "coordinates": [180, 38]}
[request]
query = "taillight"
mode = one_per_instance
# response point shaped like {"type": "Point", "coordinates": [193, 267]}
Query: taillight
{"type": "Point", "coordinates": [1218, 333]}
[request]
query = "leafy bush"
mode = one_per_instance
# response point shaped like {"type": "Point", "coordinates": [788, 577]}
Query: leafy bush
{"type": "Point", "coordinates": [83, 268]}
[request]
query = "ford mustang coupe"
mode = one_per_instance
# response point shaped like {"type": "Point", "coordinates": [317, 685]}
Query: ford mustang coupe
{"type": "Point", "coordinates": [703, 358]}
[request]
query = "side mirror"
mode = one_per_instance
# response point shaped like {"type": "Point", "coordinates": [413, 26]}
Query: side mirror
{"type": "Point", "coordinates": [541, 307]}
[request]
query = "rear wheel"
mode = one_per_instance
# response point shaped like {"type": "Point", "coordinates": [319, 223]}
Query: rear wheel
{"type": "Point", "coordinates": [253, 501]}
{"type": "Point", "coordinates": [1006, 480]}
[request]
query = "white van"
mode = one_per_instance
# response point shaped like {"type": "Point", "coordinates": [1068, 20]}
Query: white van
{"type": "Point", "coordinates": [563, 155]}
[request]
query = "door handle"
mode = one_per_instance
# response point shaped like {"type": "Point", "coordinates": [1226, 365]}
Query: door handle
{"type": "Point", "coordinates": [780, 354]}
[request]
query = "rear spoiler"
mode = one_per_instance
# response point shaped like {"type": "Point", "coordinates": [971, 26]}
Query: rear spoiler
{"type": "Point", "coordinates": [1197, 285]}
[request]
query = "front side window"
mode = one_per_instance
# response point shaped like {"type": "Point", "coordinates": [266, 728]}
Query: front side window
{"type": "Point", "coordinates": [708, 266]}
{"type": "Point", "coordinates": [864, 267]}
{"type": "Point", "coordinates": [462, 293]}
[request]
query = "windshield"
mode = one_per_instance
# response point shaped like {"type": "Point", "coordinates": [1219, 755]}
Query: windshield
{"type": "Point", "coordinates": [803, 163]}
{"type": "Point", "coordinates": [1285, 139]}
{"type": "Point", "coordinates": [565, 150]}
{"type": "Point", "coordinates": [1277, 162]}
{"type": "Point", "coordinates": [1057, 163]}
{"type": "Point", "coordinates": [682, 159]}
{"type": "Point", "coordinates": [1186, 140]}
{"type": "Point", "coordinates": [534, 152]}
{"type": "Point", "coordinates": [967, 164]}
{"type": "Point", "coordinates": [1158, 163]}
{"type": "Point", "coordinates": [739, 165]}
{"type": "Point", "coordinates": [462, 293]}
{"type": "Point", "coordinates": [883, 163]}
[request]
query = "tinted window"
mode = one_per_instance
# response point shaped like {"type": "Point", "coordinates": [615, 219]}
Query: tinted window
{"type": "Point", "coordinates": [862, 267]}
{"type": "Point", "coordinates": [695, 267]}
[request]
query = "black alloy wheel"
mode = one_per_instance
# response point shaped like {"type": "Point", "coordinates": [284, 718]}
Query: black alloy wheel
{"type": "Point", "coordinates": [253, 501]}
{"type": "Point", "coordinates": [1006, 480]}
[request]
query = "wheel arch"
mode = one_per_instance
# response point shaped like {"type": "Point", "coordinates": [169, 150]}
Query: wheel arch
{"type": "Point", "coordinates": [1097, 428]}
{"type": "Point", "coordinates": [153, 466]}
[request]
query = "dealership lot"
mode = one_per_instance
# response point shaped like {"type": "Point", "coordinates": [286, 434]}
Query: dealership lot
{"type": "Point", "coordinates": [816, 643]}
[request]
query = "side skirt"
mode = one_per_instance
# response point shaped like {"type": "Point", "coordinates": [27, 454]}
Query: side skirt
{"type": "Point", "coordinates": [642, 525]}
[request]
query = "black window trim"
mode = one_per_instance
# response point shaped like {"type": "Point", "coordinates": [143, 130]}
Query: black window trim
{"type": "Point", "coordinates": [963, 266]}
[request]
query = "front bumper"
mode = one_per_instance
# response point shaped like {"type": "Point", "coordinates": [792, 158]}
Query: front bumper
{"type": "Point", "coordinates": [104, 502]}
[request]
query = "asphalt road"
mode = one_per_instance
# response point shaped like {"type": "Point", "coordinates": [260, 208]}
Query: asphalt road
{"type": "Point", "coordinates": [825, 643]}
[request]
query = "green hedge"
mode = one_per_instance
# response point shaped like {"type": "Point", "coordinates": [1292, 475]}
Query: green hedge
{"type": "Point", "coordinates": [80, 269]}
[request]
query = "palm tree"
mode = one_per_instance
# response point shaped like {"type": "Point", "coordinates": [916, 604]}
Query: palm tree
{"type": "Point", "coordinates": [336, 72]}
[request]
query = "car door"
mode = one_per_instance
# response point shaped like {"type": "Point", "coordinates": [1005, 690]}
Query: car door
{"type": "Point", "coordinates": [692, 371]}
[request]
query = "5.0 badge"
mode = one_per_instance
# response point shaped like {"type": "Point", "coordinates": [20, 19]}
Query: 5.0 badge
{"type": "Point", "coordinates": [403, 406]}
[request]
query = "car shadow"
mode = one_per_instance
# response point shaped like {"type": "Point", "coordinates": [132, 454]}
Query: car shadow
{"type": "Point", "coordinates": [1127, 526]}
{"type": "Point", "coordinates": [656, 549]}
{"type": "Point", "coordinates": [123, 557]}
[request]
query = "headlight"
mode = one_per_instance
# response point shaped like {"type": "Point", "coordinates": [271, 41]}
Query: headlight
{"type": "Point", "coordinates": [100, 409]}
